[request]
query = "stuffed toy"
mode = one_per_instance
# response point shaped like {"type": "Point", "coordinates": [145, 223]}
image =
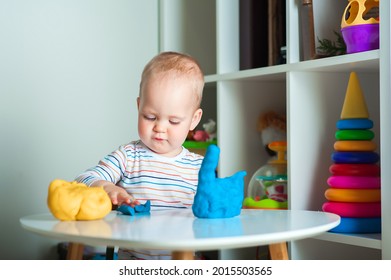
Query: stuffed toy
{"type": "Point", "coordinates": [207, 134]}
{"type": "Point", "coordinates": [210, 129]}
{"type": "Point", "coordinates": [200, 136]}
{"type": "Point", "coordinates": [69, 201]}
{"type": "Point", "coordinates": [217, 197]}
{"type": "Point", "coordinates": [271, 127]}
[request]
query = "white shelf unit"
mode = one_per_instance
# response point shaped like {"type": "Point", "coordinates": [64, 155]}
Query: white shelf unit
{"type": "Point", "coordinates": [311, 93]}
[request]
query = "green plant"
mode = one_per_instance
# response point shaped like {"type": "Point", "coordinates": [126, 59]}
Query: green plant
{"type": "Point", "coordinates": [330, 48]}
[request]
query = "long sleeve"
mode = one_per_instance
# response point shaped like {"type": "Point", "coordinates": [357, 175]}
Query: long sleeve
{"type": "Point", "coordinates": [111, 168]}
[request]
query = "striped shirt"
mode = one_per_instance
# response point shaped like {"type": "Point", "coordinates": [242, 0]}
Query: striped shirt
{"type": "Point", "coordinates": [166, 182]}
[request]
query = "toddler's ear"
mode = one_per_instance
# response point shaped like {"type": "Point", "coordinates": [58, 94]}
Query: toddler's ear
{"type": "Point", "coordinates": [196, 119]}
{"type": "Point", "coordinates": [138, 102]}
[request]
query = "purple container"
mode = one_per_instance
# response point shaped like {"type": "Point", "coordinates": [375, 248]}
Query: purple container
{"type": "Point", "coordinates": [361, 38]}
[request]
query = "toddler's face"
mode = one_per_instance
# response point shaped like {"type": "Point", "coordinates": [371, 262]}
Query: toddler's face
{"type": "Point", "coordinates": [167, 112]}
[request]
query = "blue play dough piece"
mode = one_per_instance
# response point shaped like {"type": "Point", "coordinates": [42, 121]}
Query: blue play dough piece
{"type": "Point", "coordinates": [355, 124]}
{"type": "Point", "coordinates": [129, 210]}
{"type": "Point", "coordinates": [358, 225]}
{"type": "Point", "coordinates": [217, 197]}
{"type": "Point", "coordinates": [355, 157]}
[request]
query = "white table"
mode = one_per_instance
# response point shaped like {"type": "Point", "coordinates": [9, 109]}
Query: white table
{"type": "Point", "coordinates": [182, 233]}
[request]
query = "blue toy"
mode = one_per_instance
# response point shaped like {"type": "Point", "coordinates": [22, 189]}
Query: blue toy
{"type": "Point", "coordinates": [129, 210]}
{"type": "Point", "coordinates": [354, 124]}
{"type": "Point", "coordinates": [217, 197]}
{"type": "Point", "coordinates": [358, 225]}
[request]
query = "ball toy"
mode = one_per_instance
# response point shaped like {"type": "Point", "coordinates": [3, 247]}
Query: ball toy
{"type": "Point", "coordinates": [360, 26]}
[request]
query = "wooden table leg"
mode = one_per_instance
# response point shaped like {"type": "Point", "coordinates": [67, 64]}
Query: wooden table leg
{"type": "Point", "coordinates": [109, 253]}
{"type": "Point", "coordinates": [183, 255]}
{"type": "Point", "coordinates": [278, 251]}
{"type": "Point", "coordinates": [75, 251]}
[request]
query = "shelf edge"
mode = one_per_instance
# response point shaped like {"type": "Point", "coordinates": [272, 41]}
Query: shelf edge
{"type": "Point", "coordinates": [362, 240]}
{"type": "Point", "coordinates": [364, 60]}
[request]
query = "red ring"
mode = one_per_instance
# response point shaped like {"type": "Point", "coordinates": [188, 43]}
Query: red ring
{"type": "Point", "coordinates": [353, 209]}
{"type": "Point", "coordinates": [355, 169]}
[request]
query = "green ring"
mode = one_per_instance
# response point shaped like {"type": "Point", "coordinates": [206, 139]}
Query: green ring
{"type": "Point", "coordinates": [357, 134]}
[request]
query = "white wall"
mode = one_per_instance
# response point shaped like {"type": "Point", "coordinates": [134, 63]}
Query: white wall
{"type": "Point", "coordinates": [69, 74]}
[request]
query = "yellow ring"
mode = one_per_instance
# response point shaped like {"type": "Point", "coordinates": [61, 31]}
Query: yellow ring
{"type": "Point", "coordinates": [352, 195]}
{"type": "Point", "coordinates": [346, 145]}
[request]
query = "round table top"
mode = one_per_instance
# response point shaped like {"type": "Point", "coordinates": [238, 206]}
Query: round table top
{"type": "Point", "coordinates": [181, 230]}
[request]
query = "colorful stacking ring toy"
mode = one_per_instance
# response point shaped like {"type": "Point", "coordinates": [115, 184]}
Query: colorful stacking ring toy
{"type": "Point", "coordinates": [352, 195]}
{"type": "Point", "coordinates": [354, 182]}
{"type": "Point", "coordinates": [355, 145]}
{"type": "Point", "coordinates": [352, 169]}
{"type": "Point", "coordinates": [358, 225]}
{"type": "Point", "coordinates": [351, 134]}
{"type": "Point", "coordinates": [355, 124]}
{"type": "Point", "coordinates": [353, 209]}
{"type": "Point", "coordinates": [355, 157]}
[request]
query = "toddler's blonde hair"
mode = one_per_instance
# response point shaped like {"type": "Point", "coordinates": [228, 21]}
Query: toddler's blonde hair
{"type": "Point", "coordinates": [174, 64]}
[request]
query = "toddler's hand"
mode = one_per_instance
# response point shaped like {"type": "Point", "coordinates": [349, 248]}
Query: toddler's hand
{"type": "Point", "coordinates": [118, 195]}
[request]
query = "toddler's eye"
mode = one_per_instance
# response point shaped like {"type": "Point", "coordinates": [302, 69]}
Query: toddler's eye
{"type": "Point", "coordinates": [149, 118]}
{"type": "Point", "coordinates": [174, 122]}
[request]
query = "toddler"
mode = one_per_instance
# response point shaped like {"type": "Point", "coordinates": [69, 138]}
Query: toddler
{"type": "Point", "coordinates": [157, 167]}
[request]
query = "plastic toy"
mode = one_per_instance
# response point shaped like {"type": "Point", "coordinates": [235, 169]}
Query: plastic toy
{"type": "Point", "coordinates": [358, 225]}
{"type": "Point", "coordinates": [217, 197]}
{"type": "Point", "coordinates": [69, 201]}
{"type": "Point", "coordinates": [360, 146]}
{"type": "Point", "coordinates": [354, 106]}
{"type": "Point", "coordinates": [355, 183]}
{"type": "Point", "coordinates": [352, 195]}
{"type": "Point", "coordinates": [268, 187]}
{"type": "Point", "coordinates": [353, 209]}
{"type": "Point", "coordinates": [360, 169]}
{"type": "Point", "coordinates": [266, 203]}
{"type": "Point", "coordinates": [355, 157]}
{"type": "Point", "coordinates": [354, 134]}
{"type": "Point", "coordinates": [360, 25]}
{"type": "Point", "coordinates": [355, 124]}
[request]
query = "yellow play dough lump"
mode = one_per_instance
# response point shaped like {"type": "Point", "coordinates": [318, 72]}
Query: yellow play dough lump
{"type": "Point", "coordinates": [69, 201]}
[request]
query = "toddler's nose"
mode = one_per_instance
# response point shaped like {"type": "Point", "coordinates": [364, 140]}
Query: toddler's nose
{"type": "Point", "coordinates": [159, 127]}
